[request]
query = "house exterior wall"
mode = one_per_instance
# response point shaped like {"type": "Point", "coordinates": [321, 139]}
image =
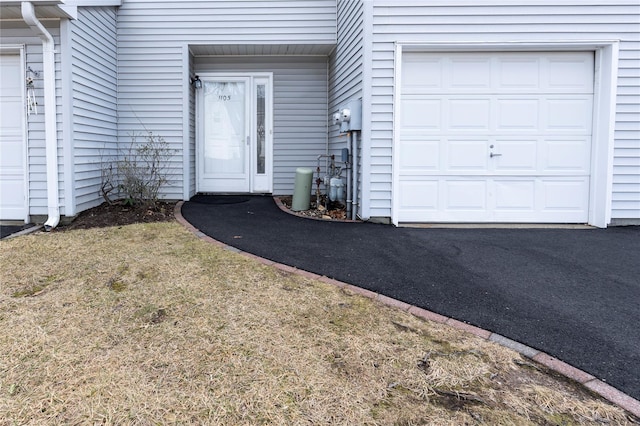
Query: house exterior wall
{"type": "Point", "coordinates": [499, 21]}
{"type": "Point", "coordinates": [299, 108]}
{"type": "Point", "coordinates": [92, 68]}
{"type": "Point", "coordinates": [17, 33]}
{"type": "Point", "coordinates": [345, 65]}
{"type": "Point", "coordinates": [346, 70]}
{"type": "Point", "coordinates": [153, 72]}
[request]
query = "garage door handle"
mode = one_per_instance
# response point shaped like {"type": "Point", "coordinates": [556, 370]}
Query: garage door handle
{"type": "Point", "coordinates": [494, 155]}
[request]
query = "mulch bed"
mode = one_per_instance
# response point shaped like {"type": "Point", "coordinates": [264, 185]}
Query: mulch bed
{"type": "Point", "coordinates": [119, 214]}
{"type": "Point", "coordinates": [335, 211]}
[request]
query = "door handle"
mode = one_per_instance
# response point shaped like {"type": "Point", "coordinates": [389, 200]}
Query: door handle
{"type": "Point", "coordinates": [248, 140]}
{"type": "Point", "coordinates": [494, 155]}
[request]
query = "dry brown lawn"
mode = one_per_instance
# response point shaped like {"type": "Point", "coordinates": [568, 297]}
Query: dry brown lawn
{"type": "Point", "coordinates": [147, 324]}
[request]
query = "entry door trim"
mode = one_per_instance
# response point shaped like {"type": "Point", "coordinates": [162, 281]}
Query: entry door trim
{"type": "Point", "coordinates": [257, 183]}
{"type": "Point", "coordinates": [19, 50]}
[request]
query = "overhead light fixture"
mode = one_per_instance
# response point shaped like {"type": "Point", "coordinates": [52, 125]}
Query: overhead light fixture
{"type": "Point", "coordinates": [196, 82]}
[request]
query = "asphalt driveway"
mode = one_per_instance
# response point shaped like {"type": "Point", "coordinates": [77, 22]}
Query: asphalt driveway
{"type": "Point", "coordinates": [6, 230]}
{"type": "Point", "coordinates": [574, 294]}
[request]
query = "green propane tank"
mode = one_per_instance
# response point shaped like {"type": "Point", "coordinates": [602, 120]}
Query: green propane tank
{"type": "Point", "coordinates": [302, 189]}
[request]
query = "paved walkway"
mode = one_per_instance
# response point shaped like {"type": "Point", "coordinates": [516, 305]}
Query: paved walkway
{"type": "Point", "coordinates": [574, 294]}
{"type": "Point", "coordinates": [16, 230]}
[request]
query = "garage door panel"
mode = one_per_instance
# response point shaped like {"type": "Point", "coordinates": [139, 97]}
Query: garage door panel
{"type": "Point", "coordinates": [469, 114]}
{"type": "Point", "coordinates": [497, 114]}
{"type": "Point", "coordinates": [466, 155]}
{"type": "Point", "coordinates": [450, 199]}
{"type": "Point", "coordinates": [420, 155]}
{"type": "Point", "coordinates": [465, 195]}
{"type": "Point", "coordinates": [421, 74]}
{"type": "Point", "coordinates": [567, 155]}
{"type": "Point", "coordinates": [518, 114]}
{"type": "Point", "coordinates": [514, 195]}
{"type": "Point", "coordinates": [509, 72]}
{"type": "Point", "coordinates": [509, 140]}
{"type": "Point", "coordinates": [572, 115]}
{"type": "Point", "coordinates": [565, 195]}
{"type": "Point", "coordinates": [10, 204]}
{"type": "Point", "coordinates": [518, 74]}
{"type": "Point", "coordinates": [516, 156]}
{"type": "Point", "coordinates": [567, 73]}
{"type": "Point", "coordinates": [11, 156]}
{"type": "Point", "coordinates": [468, 72]}
{"type": "Point", "coordinates": [419, 195]}
{"type": "Point", "coordinates": [421, 114]}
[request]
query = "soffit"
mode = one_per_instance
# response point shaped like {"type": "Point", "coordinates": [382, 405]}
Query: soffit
{"type": "Point", "coordinates": [45, 9]}
{"type": "Point", "coordinates": [260, 49]}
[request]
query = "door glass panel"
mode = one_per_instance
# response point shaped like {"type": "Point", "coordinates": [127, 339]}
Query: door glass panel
{"type": "Point", "coordinates": [224, 127]}
{"type": "Point", "coordinates": [260, 128]}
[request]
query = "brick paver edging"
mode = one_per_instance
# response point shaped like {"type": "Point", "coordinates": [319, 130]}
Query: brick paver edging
{"type": "Point", "coordinates": [597, 386]}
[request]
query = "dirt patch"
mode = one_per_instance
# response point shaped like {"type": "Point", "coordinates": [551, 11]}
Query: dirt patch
{"type": "Point", "coordinates": [120, 214]}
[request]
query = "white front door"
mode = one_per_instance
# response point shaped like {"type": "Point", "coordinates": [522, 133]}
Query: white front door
{"type": "Point", "coordinates": [235, 134]}
{"type": "Point", "coordinates": [12, 144]}
{"type": "Point", "coordinates": [495, 137]}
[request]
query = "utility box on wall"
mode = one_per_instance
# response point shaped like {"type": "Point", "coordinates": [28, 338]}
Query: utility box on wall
{"type": "Point", "coordinates": [350, 116]}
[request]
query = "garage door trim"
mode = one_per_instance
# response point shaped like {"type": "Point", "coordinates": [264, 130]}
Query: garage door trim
{"type": "Point", "coordinates": [606, 58]}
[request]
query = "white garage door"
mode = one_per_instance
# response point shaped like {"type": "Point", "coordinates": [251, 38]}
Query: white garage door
{"type": "Point", "coordinates": [12, 163]}
{"type": "Point", "coordinates": [495, 137]}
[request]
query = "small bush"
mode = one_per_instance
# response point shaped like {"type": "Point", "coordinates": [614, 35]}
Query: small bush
{"type": "Point", "coordinates": [139, 173]}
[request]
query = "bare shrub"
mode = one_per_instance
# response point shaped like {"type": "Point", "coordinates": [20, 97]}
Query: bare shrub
{"type": "Point", "coordinates": [108, 180]}
{"type": "Point", "coordinates": [139, 173]}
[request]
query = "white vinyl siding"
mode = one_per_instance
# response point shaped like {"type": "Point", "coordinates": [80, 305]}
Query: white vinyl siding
{"type": "Point", "coordinates": [94, 100]}
{"type": "Point", "coordinates": [345, 69]}
{"type": "Point", "coordinates": [17, 33]}
{"type": "Point", "coordinates": [502, 22]}
{"type": "Point", "coordinates": [345, 63]}
{"type": "Point", "coordinates": [151, 68]}
{"type": "Point", "coordinates": [299, 108]}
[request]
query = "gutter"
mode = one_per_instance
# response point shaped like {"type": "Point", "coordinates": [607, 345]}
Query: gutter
{"type": "Point", "coordinates": [51, 137]}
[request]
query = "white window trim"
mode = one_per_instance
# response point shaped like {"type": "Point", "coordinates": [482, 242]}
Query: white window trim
{"type": "Point", "coordinates": [605, 89]}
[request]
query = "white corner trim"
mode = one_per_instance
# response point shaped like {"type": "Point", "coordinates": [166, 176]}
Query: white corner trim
{"type": "Point", "coordinates": [365, 134]}
{"type": "Point", "coordinates": [67, 117]}
{"type": "Point", "coordinates": [186, 89]}
{"type": "Point", "coordinates": [603, 135]}
{"type": "Point", "coordinates": [605, 90]}
{"type": "Point", "coordinates": [395, 155]}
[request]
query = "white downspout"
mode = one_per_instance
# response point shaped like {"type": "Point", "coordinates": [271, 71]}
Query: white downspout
{"type": "Point", "coordinates": [51, 131]}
